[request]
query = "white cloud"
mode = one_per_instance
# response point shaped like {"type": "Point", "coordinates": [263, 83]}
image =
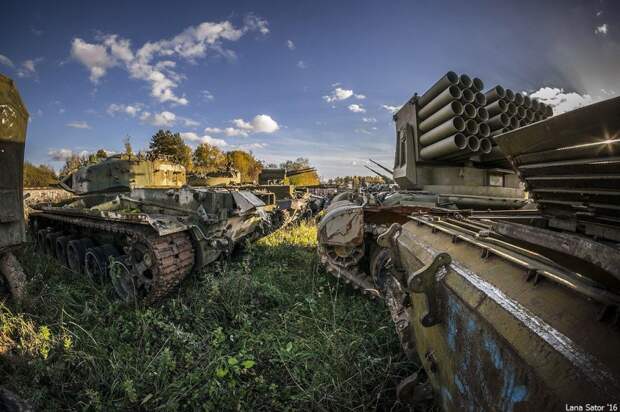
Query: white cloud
{"type": "Point", "coordinates": [152, 62]}
{"type": "Point", "coordinates": [369, 120]}
{"type": "Point", "coordinates": [213, 130]}
{"type": "Point", "coordinates": [6, 61]}
{"type": "Point", "coordinates": [602, 29]}
{"type": "Point", "coordinates": [61, 155]}
{"type": "Point", "coordinates": [356, 108]}
{"type": "Point", "coordinates": [207, 95]}
{"type": "Point", "coordinates": [261, 123]}
{"type": "Point", "coordinates": [81, 124]}
{"type": "Point", "coordinates": [302, 65]}
{"type": "Point", "coordinates": [392, 109]}
{"type": "Point", "coordinates": [129, 109]}
{"type": "Point", "coordinates": [163, 119]}
{"type": "Point", "coordinates": [195, 138]}
{"type": "Point", "coordinates": [339, 94]}
{"type": "Point", "coordinates": [561, 101]}
{"type": "Point", "coordinates": [189, 122]}
{"type": "Point", "coordinates": [290, 44]}
{"type": "Point", "coordinates": [28, 68]}
{"type": "Point", "coordinates": [93, 56]}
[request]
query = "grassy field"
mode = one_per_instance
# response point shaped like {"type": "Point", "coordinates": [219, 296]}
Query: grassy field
{"type": "Point", "coordinates": [269, 330]}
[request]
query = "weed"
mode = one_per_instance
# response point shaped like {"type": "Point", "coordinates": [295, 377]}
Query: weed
{"type": "Point", "coordinates": [268, 330]}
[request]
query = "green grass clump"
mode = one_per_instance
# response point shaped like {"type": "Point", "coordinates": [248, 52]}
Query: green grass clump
{"type": "Point", "coordinates": [268, 330]}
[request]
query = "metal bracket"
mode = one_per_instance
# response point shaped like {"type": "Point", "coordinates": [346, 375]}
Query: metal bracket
{"type": "Point", "coordinates": [389, 240]}
{"type": "Point", "coordinates": [423, 281]}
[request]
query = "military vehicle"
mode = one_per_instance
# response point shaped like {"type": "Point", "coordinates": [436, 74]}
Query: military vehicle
{"type": "Point", "coordinates": [13, 124]}
{"type": "Point", "coordinates": [508, 301]}
{"type": "Point", "coordinates": [292, 202]}
{"type": "Point", "coordinates": [225, 177]}
{"type": "Point", "coordinates": [136, 221]}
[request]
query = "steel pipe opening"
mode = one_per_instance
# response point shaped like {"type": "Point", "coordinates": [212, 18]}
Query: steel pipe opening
{"type": "Point", "coordinates": [511, 109]}
{"type": "Point", "coordinates": [468, 96]}
{"type": "Point", "coordinates": [484, 130]}
{"type": "Point", "coordinates": [494, 94]}
{"type": "Point", "coordinates": [471, 126]}
{"type": "Point", "coordinates": [500, 121]}
{"type": "Point", "coordinates": [527, 102]}
{"type": "Point", "coordinates": [510, 95]}
{"type": "Point", "coordinates": [445, 97]}
{"type": "Point", "coordinates": [465, 81]}
{"type": "Point", "coordinates": [473, 143]}
{"type": "Point", "coordinates": [479, 99]}
{"type": "Point", "coordinates": [447, 146]}
{"type": "Point", "coordinates": [469, 111]}
{"type": "Point", "coordinates": [450, 79]}
{"type": "Point", "coordinates": [485, 146]}
{"type": "Point", "coordinates": [497, 107]}
{"type": "Point", "coordinates": [477, 85]}
{"type": "Point", "coordinates": [482, 114]}
{"type": "Point", "coordinates": [452, 109]}
{"type": "Point", "coordinates": [518, 99]}
{"type": "Point", "coordinates": [448, 128]}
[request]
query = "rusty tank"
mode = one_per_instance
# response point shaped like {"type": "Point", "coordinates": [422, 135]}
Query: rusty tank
{"type": "Point", "coordinates": [500, 272]}
{"type": "Point", "coordinates": [293, 200]}
{"type": "Point", "coordinates": [136, 223]}
{"type": "Point", "coordinates": [13, 125]}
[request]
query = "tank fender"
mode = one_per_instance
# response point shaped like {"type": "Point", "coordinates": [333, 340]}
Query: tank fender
{"type": "Point", "coordinates": [342, 225]}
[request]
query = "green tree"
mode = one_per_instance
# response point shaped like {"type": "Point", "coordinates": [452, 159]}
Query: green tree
{"type": "Point", "coordinates": [39, 176]}
{"type": "Point", "coordinates": [73, 163]}
{"type": "Point", "coordinates": [299, 163]}
{"type": "Point", "coordinates": [245, 163]}
{"type": "Point", "coordinates": [208, 158]}
{"type": "Point", "coordinates": [101, 154]}
{"type": "Point", "coordinates": [127, 145]}
{"type": "Point", "coordinates": [170, 145]}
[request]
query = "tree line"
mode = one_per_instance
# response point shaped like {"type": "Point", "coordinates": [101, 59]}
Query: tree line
{"type": "Point", "coordinates": [205, 158]}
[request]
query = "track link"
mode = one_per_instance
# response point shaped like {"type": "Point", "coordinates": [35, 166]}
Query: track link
{"type": "Point", "coordinates": [173, 254]}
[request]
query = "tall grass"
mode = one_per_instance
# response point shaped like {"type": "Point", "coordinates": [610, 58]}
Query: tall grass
{"type": "Point", "coordinates": [268, 330]}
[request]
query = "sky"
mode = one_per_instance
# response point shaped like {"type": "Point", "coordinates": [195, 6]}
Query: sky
{"type": "Point", "coordinates": [286, 79]}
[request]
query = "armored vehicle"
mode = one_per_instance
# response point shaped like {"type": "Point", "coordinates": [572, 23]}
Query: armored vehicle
{"type": "Point", "coordinates": [225, 177]}
{"type": "Point", "coordinates": [507, 303]}
{"type": "Point", "coordinates": [292, 202]}
{"type": "Point", "coordinates": [136, 221]}
{"type": "Point", "coordinates": [13, 124]}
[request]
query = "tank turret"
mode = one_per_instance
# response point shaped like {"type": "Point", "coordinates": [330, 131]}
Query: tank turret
{"type": "Point", "coordinates": [120, 173]}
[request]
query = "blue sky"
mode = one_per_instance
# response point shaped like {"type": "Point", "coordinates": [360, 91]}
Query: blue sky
{"type": "Point", "coordinates": [286, 78]}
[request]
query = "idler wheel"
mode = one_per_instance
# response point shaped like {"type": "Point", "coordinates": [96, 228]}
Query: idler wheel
{"type": "Point", "coordinates": [76, 251]}
{"type": "Point", "coordinates": [96, 261]}
{"type": "Point", "coordinates": [50, 243]}
{"type": "Point", "coordinates": [123, 278]}
{"type": "Point", "coordinates": [61, 249]}
{"type": "Point", "coordinates": [40, 245]}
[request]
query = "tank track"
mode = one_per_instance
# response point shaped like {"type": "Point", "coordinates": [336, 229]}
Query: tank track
{"type": "Point", "coordinates": [349, 272]}
{"type": "Point", "coordinates": [173, 254]}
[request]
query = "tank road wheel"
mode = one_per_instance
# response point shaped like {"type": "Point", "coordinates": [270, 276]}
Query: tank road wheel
{"type": "Point", "coordinates": [96, 261]}
{"type": "Point", "coordinates": [122, 278]}
{"type": "Point", "coordinates": [152, 267]}
{"type": "Point", "coordinates": [40, 245]}
{"type": "Point", "coordinates": [380, 262]}
{"type": "Point", "coordinates": [50, 243]}
{"type": "Point", "coordinates": [343, 262]}
{"type": "Point", "coordinates": [61, 249]}
{"type": "Point", "coordinates": [76, 251]}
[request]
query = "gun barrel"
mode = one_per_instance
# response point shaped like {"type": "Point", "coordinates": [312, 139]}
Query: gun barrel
{"type": "Point", "coordinates": [387, 179]}
{"type": "Point", "coordinates": [382, 167]}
